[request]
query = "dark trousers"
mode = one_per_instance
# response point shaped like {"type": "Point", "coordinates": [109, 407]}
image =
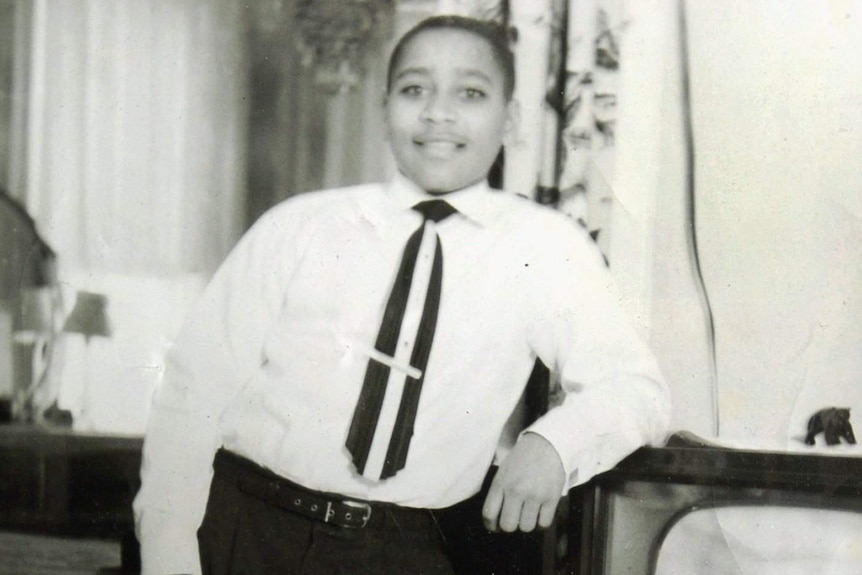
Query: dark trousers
{"type": "Point", "coordinates": [241, 534]}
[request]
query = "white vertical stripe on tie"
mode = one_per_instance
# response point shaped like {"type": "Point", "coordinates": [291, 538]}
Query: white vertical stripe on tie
{"type": "Point", "coordinates": [406, 341]}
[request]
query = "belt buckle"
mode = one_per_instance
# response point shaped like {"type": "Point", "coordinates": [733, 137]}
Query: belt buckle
{"type": "Point", "coordinates": [359, 505]}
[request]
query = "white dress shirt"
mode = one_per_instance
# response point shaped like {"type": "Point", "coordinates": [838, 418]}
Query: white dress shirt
{"type": "Point", "coordinates": [271, 362]}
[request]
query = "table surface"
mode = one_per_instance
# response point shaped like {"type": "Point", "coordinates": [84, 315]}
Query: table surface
{"type": "Point", "coordinates": [687, 459]}
{"type": "Point", "coordinates": [29, 436]}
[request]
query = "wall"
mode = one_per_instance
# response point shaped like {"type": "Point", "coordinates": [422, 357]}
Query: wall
{"type": "Point", "coordinates": [651, 245]}
{"type": "Point", "coordinates": [776, 101]}
{"type": "Point", "coordinates": [777, 115]}
{"type": "Point", "coordinates": [306, 135]}
{"type": "Point", "coordinates": [776, 125]}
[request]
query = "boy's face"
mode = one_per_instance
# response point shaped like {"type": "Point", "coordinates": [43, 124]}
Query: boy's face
{"type": "Point", "coordinates": [446, 110]}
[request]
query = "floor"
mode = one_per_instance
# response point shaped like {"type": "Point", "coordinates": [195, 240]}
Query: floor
{"type": "Point", "coordinates": [38, 555]}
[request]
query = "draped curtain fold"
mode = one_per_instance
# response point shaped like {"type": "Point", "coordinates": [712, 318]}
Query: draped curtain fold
{"type": "Point", "coordinates": [136, 133]}
{"type": "Point", "coordinates": [610, 136]}
{"type": "Point", "coordinates": [134, 163]}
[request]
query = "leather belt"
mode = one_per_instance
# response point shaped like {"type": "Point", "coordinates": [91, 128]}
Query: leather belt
{"type": "Point", "coordinates": [271, 488]}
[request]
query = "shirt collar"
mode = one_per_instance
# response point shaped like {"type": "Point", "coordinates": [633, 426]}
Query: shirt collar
{"type": "Point", "coordinates": [475, 202]}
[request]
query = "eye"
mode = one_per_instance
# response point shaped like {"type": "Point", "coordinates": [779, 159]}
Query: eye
{"type": "Point", "coordinates": [414, 90]}
{"type": "Point", "coordinates": [474, 93]}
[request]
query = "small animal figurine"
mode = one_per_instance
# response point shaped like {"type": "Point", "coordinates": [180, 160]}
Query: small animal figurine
{"type": "Point", "coordinates": [834, 423]}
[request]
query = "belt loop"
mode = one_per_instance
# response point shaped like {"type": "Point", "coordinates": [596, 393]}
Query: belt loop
{"type": "Point", "coordinates": [329, 512]}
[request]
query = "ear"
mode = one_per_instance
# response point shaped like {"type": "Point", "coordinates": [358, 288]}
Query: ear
{"type": "Point", "coordinates": [512, 122]}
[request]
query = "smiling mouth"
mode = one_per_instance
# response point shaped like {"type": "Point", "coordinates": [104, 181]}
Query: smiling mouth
{"type": "Point", "coordinates": [439, 148]}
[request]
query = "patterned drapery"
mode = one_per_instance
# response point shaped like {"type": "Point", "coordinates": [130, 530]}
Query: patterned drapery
{"type": "Point", "coordinates": [567, 54]}
{"type": "Point", "coordinates": [586, 106]}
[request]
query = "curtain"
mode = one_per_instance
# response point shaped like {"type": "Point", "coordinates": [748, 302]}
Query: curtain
{"type": "Point", "coordinates": [776, 94]}
{"type": "Point", "coordinates": [602, 131]}
{"type": "Point", "coordinates": [135, 175]}
{"type": "Point", "coordinates": [136, 132]}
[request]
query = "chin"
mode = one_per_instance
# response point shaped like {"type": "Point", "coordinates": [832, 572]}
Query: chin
{"type": "Point", "coordinates": [438, 186]}
{"type": "Point", "coordinates": [439, 192]}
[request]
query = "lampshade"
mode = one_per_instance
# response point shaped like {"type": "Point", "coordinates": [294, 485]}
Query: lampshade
{"type": "Point", "coordinates": [89, 316]}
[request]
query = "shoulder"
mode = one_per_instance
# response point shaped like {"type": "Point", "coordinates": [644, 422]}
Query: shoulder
{"type": "Point", "coordinates": [292, 223]}
{"type": "Point", "coordinates": [318, 207]}
{"type": "Point", "coordinates": [524, 215]}
{"type": "Point", "coordinates": [331, 200]}
{"type": "Point", "coordinates": [546, 236]}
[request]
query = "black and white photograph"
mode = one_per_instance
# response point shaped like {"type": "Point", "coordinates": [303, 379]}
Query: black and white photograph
{"type": "Point", "coordinates": [430, 287]}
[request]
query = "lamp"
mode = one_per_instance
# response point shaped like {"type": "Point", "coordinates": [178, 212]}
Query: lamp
{"type": "Point", "coordinates": [89, 317]}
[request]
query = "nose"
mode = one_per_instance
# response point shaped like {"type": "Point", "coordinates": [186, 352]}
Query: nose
{"type": "Point", "coordinates": [439, 108]}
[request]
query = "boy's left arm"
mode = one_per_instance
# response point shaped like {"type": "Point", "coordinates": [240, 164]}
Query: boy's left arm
{"type": "Point", "coordinates": [615, 401]}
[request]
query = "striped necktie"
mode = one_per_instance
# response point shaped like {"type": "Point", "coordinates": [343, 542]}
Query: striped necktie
{"type": "Point", "coordinates": [368, 408]}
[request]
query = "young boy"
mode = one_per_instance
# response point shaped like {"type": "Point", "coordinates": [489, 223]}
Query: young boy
{"type": "Point", "coordinates": [307, 427]}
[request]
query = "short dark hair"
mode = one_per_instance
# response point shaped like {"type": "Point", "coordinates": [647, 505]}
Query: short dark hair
{"type": "Point", "coordinates": [494, 34]}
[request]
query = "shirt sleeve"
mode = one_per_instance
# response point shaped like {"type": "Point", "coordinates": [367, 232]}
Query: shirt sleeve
{"type": "Point", "coordinates": [616, 399]}
{"type": "Point", "coordinates": [216, 352]}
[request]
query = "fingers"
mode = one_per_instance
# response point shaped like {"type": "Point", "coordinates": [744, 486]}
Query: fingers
{"type": "Point", "coordinates": [529, 516]}
{"type": "Point", "coordinates": [547, 513]}
{"type": "Point", "coordinates": [492, 507]}
{"type": "Point", "coordinates": [510, 516]}
{"type": "Point", "coordinates": [526, 489]}
{"type": "Point", "coordinates": [509, 512]}
{"type": "Point", "coordinates": [502, 511]}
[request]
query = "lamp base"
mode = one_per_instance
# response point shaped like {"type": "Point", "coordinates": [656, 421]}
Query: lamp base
{"type": "Point", "coordinates": [54, 416]}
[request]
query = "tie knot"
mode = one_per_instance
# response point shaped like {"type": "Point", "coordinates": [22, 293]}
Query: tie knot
{"type": "Point", "coordinates": [435, 210]}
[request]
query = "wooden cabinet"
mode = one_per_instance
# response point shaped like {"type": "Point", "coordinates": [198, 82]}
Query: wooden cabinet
{"type": "Point", "coordinates": [627, 512]}
{"type": "Point", "coordinates": [60, 482]}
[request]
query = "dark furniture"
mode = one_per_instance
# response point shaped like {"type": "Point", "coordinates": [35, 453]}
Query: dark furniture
{"type": "Point", "coordinates": [69, 484]}
{"type": "Point", "coordinates": [623, 516]}
{"type": "Point", "coordinates": [63, 483]}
